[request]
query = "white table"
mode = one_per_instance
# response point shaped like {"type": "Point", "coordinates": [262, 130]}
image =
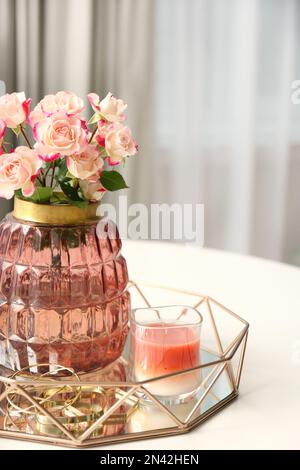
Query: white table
{"type": "Point", "coordinates": [267, 413]}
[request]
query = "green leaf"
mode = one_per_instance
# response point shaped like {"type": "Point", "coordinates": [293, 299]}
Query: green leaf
{"type": "Point", "coordinates": [19, 194]}
{"type": "Point", "coordinates": [41, 195]}
{"type": "Point", "coordinates": [70, 177]}
{"type": "Point", "coordinates": [95, 118]}
{"type": "Point", "coordinates": [112, 180]}
{"type": "Point", "coordinates": [59, 198]}
{"type": "Point", "coordinates": [72, 194]}
{"type": "Point", "coordinates": [62, 170]}
{"type": "Point", "coordinates": [16, 130]}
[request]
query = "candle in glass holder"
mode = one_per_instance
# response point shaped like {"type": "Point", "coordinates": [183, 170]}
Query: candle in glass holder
{"type": "Point", "coordinates": [166, 340]}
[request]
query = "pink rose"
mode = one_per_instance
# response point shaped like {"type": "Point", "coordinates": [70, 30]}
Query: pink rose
{"type": "Point", "coordinates": [2, 132]}
{"type": "Point", "coordinates": [103, 129]}
{"type": "Point", "coordinates": [111, 108]}
{"type": "Point", "coordinates": [119, 144]}
{"type": "Point", "coordinates": [93, 191]}
{"type": "Point", "coordinates": [18, 170]}
{"type": "Point", "coordinates": [2, 128]}
{"type": "Point", "coordinates": [94, 101]}
{"type": "Point", "coordinates": [36, 115]}
{"type": "Point", "coordinates": [14, 109]}
{"type": "Point", "coordinates": [85, 165]}
{"type": "Point", "coordinates": [65, 101]}
{"type": "Point", "coordinates": [60, 134]}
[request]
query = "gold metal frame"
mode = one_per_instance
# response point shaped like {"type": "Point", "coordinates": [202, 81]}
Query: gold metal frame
{"type": "Point", "coordinates": [223, 366]}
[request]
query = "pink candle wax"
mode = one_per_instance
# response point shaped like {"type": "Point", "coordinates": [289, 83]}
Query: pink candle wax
{"type": "Point", "coordinates": [163, 349]}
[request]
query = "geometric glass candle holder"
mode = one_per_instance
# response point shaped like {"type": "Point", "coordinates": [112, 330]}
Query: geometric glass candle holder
{"type": "Point", "coordinates": [166, 340]}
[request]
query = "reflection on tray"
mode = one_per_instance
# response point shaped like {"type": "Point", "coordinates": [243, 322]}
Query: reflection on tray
{"type": "Point", "coordinates": [78, 408]}
{"type": "Point", "coordinates": [75, 408]}
{"type": "Point", "coordinates": [149, 416]}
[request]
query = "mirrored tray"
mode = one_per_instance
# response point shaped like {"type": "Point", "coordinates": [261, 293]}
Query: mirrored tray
{"type": "Point", "coordinates": [107, 406]}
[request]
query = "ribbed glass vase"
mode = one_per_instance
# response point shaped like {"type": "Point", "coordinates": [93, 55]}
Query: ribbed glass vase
{"type": "Point", "coordinates": [63, 296]}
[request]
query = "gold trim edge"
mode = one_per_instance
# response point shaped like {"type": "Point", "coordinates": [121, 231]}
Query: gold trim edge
{"type": "Point", "coordinates": [54, 214]}
{"type": "Point", "coordinates": [101, 441]}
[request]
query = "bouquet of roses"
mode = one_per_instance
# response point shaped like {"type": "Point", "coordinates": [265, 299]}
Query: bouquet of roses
{"type": "Point", "coordinates": [68, 163]}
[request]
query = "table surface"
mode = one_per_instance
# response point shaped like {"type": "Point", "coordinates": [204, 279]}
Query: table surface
{"type": "Point", "coordinates": [267, 412]}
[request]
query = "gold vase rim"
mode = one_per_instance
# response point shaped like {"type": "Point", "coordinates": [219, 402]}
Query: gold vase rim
{"type": "Point", "coordinates": [55, 214]}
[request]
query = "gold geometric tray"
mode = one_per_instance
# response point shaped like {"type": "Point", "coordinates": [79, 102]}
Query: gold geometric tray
{"type": "Point", "coordinates": [105, 407]}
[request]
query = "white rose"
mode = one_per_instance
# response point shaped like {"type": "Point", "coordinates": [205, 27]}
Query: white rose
{"type": "Point", "coordinates": [93, 191]}
{"type": "Point", "coordinates": [119, 143]}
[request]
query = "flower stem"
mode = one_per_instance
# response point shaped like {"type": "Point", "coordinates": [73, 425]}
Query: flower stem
{"type": "Point", "coordinates": [39, 179]}
{"type": "Point", "coordinates": [25, 136]}
{"type": "Point", "coordinates": [48, 169]}
{"type": "Point", "coordinates": [52, 177]}
{"type": "Point", "coordinates": [5, 150]}
{"type": "Point", "coordinates": [93, 134]}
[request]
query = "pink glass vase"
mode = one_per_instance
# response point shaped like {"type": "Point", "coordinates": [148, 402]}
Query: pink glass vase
{"type": "Point", "coordinates": [63, 296]}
